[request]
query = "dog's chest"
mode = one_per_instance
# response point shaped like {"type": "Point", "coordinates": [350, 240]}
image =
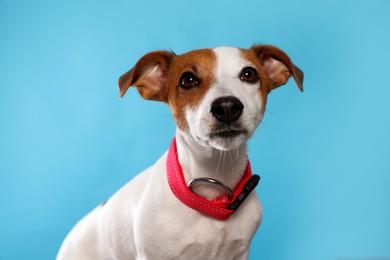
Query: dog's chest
{"type": "Point", "coordinates": [201, 238]}
{"type": "Point", "coordinates": [167, 229]}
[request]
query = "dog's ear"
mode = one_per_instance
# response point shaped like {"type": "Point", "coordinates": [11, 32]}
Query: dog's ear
{"type": "Point", "coordinates": [148, 75]}
{"type": "Point", "coordinates": [278, 66]}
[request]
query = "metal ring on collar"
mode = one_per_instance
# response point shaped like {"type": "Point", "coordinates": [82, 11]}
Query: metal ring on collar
{"type": "Point", "coordinates": [211, 181]}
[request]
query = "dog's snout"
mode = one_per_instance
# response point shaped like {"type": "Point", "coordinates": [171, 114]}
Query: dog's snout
{"type": "Point", "coordinates": [227, 109]}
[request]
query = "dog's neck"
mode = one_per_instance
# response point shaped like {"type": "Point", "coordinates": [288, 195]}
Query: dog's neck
{"type": "Point", "coordinates": [200, 161]}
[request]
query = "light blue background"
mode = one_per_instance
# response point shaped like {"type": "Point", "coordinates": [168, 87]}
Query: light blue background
{"type": "Point", "coordinates": [67, 142]}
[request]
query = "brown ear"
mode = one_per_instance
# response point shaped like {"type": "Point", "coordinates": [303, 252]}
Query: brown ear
{"type": "Point", "coordinates": [278, 66]}
{"type": "Point", "coordinates": [148, 75]}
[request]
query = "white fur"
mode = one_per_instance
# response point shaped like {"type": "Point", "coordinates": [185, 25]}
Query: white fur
{"type": "Point", "coordinates": [229, 65]}
{"type": "Point", "coordinates": [144, 220]}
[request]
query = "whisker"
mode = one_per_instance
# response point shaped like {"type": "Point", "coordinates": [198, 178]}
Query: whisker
{"type": "Point", "coordinates": [223, 162]}
{"type": "Point", "coordinates": [231, 159]}
{"type": "Point", "coordinates": [219, 162]}
{"type": "Point", "coordinates": [201, 119]}
{"type": "Point", "coordinates": [273, 115]}
{"type": "Point", "coordinates": [256, 118]}
{"type": "Point", "coordinates": [170, 115]}
{"type": "Point", "coordinates": [265, 126]}
{"type": "Point", "coordinates": [170, 122]}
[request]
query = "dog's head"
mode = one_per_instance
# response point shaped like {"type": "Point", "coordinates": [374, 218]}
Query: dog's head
{"type": "Point", "coordinates": [217, 96]}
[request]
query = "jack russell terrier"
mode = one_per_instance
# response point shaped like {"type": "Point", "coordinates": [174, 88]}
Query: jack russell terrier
{"type": "Point", "coordinates": [197, 201]}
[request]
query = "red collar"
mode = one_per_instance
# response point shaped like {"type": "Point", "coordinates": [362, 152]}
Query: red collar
{"type": "Point", "coordinates": [220, 208]}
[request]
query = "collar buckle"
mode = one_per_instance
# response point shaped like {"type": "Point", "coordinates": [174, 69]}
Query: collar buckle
{"type": "Point", "coordinates": [248, 188]}
{"type": "Point", "coordinates": [215, 182]}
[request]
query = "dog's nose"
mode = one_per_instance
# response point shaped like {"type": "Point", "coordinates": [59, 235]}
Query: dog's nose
{"type": "Point", "coordinates": [226, 109]}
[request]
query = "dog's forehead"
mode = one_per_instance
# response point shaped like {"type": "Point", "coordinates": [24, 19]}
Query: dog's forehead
{"type": "Point", "coordinates": [202, 59]}
{"type": "Point", "coordinates": [230, 60]}
{"type": "Point", "coordinates": [218, 60]}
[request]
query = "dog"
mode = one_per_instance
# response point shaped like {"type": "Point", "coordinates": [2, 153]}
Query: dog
{"type": "Point", "coordinates": [197, 201]}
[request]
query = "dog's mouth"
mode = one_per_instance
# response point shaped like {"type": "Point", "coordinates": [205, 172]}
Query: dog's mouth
{"type": "Point", "coordinates": [227, 139]}
{"type": "Point", "coordinates": [224, 138]}
{"type": "Point", "coordinates": [226, 134]}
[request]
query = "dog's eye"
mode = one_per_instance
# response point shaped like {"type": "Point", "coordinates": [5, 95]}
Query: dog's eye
{"type": "Point", "coordinates": [188, 80]}
{"type": "Point", "coordinates": [249, 75]}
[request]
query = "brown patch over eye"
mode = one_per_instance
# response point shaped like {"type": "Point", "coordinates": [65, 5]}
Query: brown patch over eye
{"type": "Point", "coordinates": [249, 75]}
{"type": "Point", "coordinates": [188, 80]}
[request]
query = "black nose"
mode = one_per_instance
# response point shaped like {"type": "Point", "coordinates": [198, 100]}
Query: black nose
{"type": "Point", "coordinates": [226, 109]}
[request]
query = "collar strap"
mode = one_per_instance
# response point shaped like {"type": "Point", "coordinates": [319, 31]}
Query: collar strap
{"type": "Point", "coordinates": [220, 208]}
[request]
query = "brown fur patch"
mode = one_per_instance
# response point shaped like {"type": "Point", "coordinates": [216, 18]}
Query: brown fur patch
{"type": "Point", "coordinates": [251, 56]}
{"type": "Point", "coordinates": [202, 64]}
